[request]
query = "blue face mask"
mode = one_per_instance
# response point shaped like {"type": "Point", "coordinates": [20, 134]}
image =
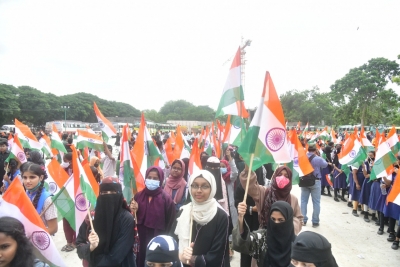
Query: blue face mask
{"type": "Point", "coordinates": [224, 170]}
{"type": "Point", "coordinates": [152, 184]}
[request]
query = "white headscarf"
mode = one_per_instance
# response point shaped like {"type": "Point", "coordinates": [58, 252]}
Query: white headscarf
{"type": "Point", "coordinates": [202, 213]}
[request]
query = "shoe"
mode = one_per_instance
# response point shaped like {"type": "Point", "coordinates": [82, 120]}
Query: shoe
{"type": "Point", "coordinates": [359, 208]}
{"type": "Point", "coordinates": [336, 199]}
{"type": "Point", "coordinates": [323, 194]}
{"type": "Point", "coordinates": [366, 219]}
{"type": "Point", "coordinates": [377, 223]}
{"type": "Point", "coordinates": [355, 213]}
{"type": "Point", "coordinates": [315, 225]}
{"type": "Point", "coordinates": [380, 231]}
{"type": "Point", "coordinates": [329, 194]}
{"type": "Point", "coordinates": [343, 199]}
{"type": "Point", "coordinates": [395, 245]}
{"type": "Point", "coordinates": [391, 237]}
{"type": "Point", "coordinates": [349, 205]}
{"type": "Point", "coordinates": [362, 212]}
{"type": "Point", "coordinates": [374, 218]}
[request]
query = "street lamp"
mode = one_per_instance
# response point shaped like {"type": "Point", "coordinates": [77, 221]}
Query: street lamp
{"type": "Point", "coordinates": [65, 116]}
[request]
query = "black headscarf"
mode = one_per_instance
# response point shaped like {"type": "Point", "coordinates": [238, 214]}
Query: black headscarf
{"type": "Point", "coordinates": [280, 236]}
{"type": "Point", "coordinates": [108, 209]}
{"type": "Point", "coordinates": [311, 247]}
{"type": "Point", "coordinates": [213, 166]}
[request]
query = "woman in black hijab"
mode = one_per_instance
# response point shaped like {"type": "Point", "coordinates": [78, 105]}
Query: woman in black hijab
{"type": "Point", "coordinates": [280, 235]}
{"type": "Point", "coordinates": [312, 248]}
{"type": "Point", "coordinates": [111, 242]}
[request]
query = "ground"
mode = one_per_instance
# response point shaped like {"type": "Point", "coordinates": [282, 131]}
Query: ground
{"type": "Point", "coordinates": [354, 242]}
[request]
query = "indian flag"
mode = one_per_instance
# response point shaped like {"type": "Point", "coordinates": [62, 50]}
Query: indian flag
{"type": "Point", "coordinates": [384, 159]}
{"type": "Point", "coordinates": [56, 140]}
{"type": "Point", "coordinates": [304, 134]}
{"type": "Point", "coordinates": [393, 141]}
{"type": "Point", "coordinates": [324, 134]}
{"type": "Point", "coordinates": [394, 195]}
{"type": "Point", "coordinates": [352, 153]}
{"type": "Point", "coordinates": [56, 177]}
{"type": "Point", "coordinates": [300, 164]}
{"type": "Point", "coordinates": [126, 165]}
{"type": "Point", "coordinates": [266, 137]}
{"type": "Point", "coordinates": [17, 152]}
{"type": "Point", "coordinates": [26, 137]}
{"type": "Point", "coordinates": [235, 130]}
{"type": "Point", "coordinates": [182, 148]}
{"type": "Point", "coordinates": [15, 203]}
{"type": "Point", "coordinates": [83, 190]}
{"type": "Point", "coordinates": [64, 202]}
{"type": "Point", "coordinates": [194, 160]}
{"type": "Point", "coordinates": [144, 152]}
{"type": "Point", "coordinates": [106, 126]}
{"type": "Point", "coordinates": [86, 139]}
{"type": "Point", "coordinates": [207, 142]}
{"type": "Point", "coordinates": [232, 96]}
{"type": "Point", "coordinates": [45, 141]}
{"type": "Point", "coordinates": [333, 137]}
{"type": "Point", "coordinates": [367, 145]}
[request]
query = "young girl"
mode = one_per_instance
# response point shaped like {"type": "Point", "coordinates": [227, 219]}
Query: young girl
{"type": "Point", "coordinates": [208, 245]}
{"type": "Point", "coordinates": [12, 172]}
{"type": "Point", "coordinates": [15, 247]}
{"type": "Point", "coordinates": [33, 177]}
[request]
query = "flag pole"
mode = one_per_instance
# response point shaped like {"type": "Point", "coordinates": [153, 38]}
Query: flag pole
{"type": "Point", "coordinates": [88, 213]}
{"type": "Point", "coordinates": [248, 177]}
{"type": "Point", "coordinates": [190, 229]}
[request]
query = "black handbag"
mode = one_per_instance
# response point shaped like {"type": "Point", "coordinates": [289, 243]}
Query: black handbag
{"type": "Point", "coordinates": [309, 179]}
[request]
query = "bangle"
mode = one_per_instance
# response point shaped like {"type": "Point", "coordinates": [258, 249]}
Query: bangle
{"type": "Point", "coordinates": [250, 210]}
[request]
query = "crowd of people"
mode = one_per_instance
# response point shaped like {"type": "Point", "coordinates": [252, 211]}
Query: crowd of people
{"type": "Point", "coordinates": [200, 219]}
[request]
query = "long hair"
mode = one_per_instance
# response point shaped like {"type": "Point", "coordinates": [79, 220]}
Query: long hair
{"type": "Point", "coordinates": [39, 171]}
{"type": "Point", "coordinates": [15, 229]}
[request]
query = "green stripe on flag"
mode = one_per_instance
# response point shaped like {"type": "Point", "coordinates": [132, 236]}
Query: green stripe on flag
{"type": "Point", "coordinates": [95, 146]}
{"type": "Point", "coordinates": [229, 97]}
{"type": "Point", "coordinates": [65, 206]}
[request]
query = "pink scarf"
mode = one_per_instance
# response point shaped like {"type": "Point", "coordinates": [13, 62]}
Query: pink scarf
{"type": "Point", "coordinates": [176, 183]}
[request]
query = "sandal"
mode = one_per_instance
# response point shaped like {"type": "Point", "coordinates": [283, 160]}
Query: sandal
{"type": "Point", "coordinates": [69, 248]}
{"type": "Point", "coordinates": [64, 247]}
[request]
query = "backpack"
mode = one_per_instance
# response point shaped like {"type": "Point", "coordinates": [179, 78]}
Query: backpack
{"type": "Point", "coordinates": [309, 179]}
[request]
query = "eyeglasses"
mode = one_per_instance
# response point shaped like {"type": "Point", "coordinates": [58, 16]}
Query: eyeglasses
{"type": "Point", "coordinates": [202, 188]}
{"type": "Point", "coordinates": [176, 169]}
{"type": "Point", "coordinates": [153, 264]}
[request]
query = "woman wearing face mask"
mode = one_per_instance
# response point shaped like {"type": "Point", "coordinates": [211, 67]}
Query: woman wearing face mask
{"type": "Point", "coordinates": [175, 185]}
{"type": "Point", "coordinates": [281, 185]}
{"type": "Point", "coordinates": [95, 162]}
{"type": "Point", "coordinates": [208, 244]}
{"type": "Point", "coordinates": [155, 211]}
{"type": "Point", "coordinates": [33, 177]}
{"type": "Point", "coordinates": [69, 233]}
{"type": "Point", "coordinates": [279, 235]}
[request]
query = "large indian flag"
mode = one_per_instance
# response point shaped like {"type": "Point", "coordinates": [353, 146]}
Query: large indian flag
{"type": "Point", "coordinates": [126, 165]}
{"type": "Point", "coordinates": [56, 142]}
{"type": "Point", "coordinates": [106, 126]}
{"type": "Point", "coordinates": [56, 177]}
{"type": "Point", "coordinates": [86, 139]}
{"type": "Point", "coordinates": [367, 145]}
{"type": "Point", "coordinates": [352, 153]}
{"type": "Point", "coordinates": [232, 96]}
{"type": "Point", "coordinates": [266, 137]}
{"type": "Point", "coordinates": [26, 137]}
{"type": "Point", "coordinates": [15, 203]}
{"type": "Point", "coordinates": [300, 164]}
{"type": "Point", "coordinates": [394, 195]}
{"type": "Point", "coordinates": [384, 159]}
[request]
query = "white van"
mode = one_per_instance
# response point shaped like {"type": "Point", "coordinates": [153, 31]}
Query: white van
{"type": "Point", "coordinates": [7, 128]}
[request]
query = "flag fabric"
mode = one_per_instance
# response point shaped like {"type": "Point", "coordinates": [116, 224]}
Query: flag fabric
{"type": "Point", "coordinates": [182, 148]}
{"type": "Point", "coordinates": [394, 195]}
{"type": "Point", "coordinates": [194, 160]}
{"type": "Point", "coordinates": [56, 140]}
{"type": "Point", "coordinates": [56, 177]}
{"type": "Point", "coordinates": [266, 137]}
{"type": "Point", "coordinates": [15, 203]}
{"type": "Point", "coordinates": [300, 164]}
{"type": "Point", "coordinates": [324, 134]}
{"type": "Point", "coordinates": [236, 131]}
{"type": "Point", "coordinates": [304, 134]}
{"type": "Point", "coordinates": [126, 166]}
{"type": "Point", "coordinates": [393, 141]}
{"type": "Point", "coordinates": [17, 152]}
{"type": "Point", "coordinates": [46, 143]}
{"type": "Point", "coordinates": [64, 202]}
{"type": "Point", "coordinates": [333, 137]}
{"type": "Point", "coordinates": [106, 126]}
{"type": "Point", "coordinates": [10, 141]}
{"type": "Point", "coordinates": [232, 99]}
{"type": "Point", "coordinates": [86, 139]}
{"type": "Point", "coordinates": [84, 193]}
{"type": "Point", "coordinates": [170, 148]}
{"type": "Point", "coordinates": [144, 152]}
{"type": "Point", "coordinates": [352, 153]}
{"type": "Point", "coordinates": [214, 143]}
{"type": "Point", "coordinates": [26, 137]}
{"type": "Point", "coordinates": [384, 159]}
{"type": "Point", "coordinates": [367, 145]}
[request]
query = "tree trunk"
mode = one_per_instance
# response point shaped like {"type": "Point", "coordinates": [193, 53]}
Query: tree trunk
{"type": "Point", "coordinates": [363, 115]}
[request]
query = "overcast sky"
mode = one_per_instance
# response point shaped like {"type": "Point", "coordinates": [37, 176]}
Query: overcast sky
{"type": "Point", "coordinates": [148, 52]}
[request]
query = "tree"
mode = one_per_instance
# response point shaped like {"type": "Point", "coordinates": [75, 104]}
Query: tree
{"type": "Point", "coordinates": [364, 87]}
{"type": "Point", "coordinates": [396, 79]}
{"type": "Point", "coordinates": [8, 103]}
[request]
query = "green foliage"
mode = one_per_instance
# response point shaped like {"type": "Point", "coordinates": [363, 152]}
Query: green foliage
{"type": "Point", "coordinates": [8, 103]}
{"type": "Point", "coordinates": [361, 95]}
{"type": "Point", "coordinates": [182, 110]}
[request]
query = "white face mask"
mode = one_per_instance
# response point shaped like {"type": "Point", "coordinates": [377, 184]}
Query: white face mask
{"type": "Point", "coordinates": [65, 164]}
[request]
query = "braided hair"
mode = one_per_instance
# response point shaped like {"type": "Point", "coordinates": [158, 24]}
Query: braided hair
{"type": "Point", "coordinates": [38, 170]}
